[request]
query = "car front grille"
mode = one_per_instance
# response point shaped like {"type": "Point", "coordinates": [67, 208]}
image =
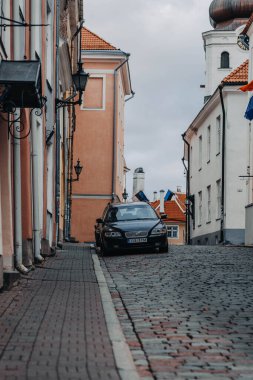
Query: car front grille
{"type": "Point", "coordinates": [136, 234]}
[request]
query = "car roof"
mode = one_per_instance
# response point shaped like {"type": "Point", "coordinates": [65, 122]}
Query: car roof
{"type": "Point", "coordinates": [132, 204]}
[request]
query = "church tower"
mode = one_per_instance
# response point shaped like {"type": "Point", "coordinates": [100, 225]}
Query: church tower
{"type": "Point", "coordinates": [222, 52]}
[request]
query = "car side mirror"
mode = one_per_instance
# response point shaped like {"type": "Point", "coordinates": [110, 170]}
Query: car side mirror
{"type": "Point", "coordinates": [163, 216]}
{"type": "Point", "coordinates": [99, 220]}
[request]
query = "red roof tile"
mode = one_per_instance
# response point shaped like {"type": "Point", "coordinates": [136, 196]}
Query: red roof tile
{"type": "Point", "coordinates": [239, 75]}
{"type": "Point", "coordinates": [175, 209]}
{"type": "Point", "coordinates": [91, 41]}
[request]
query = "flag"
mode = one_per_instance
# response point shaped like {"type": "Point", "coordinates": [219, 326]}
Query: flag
{"type": "Point", "coordinates": [247, 87]}
{"type": "Point", "coordinates": [168, 195]}
{"type": "Point", "coordinates": [249, 111]}
{"type": "Point", "coordinates": [141, 197]}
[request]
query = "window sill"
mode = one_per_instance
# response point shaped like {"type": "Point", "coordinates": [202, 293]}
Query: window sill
{"type": "Point", "coordinates": [209, 222]}
{"type": "Point", "coordinates": [217, 219]}
{"type": "Point", "coordinates": [200, 169]}
{"type": "Point", "coordinates": [199, 225]}
{"type": "Point", "coordinates": [208, 162]}
{"type": "Point", "coordinates": [217, 154]}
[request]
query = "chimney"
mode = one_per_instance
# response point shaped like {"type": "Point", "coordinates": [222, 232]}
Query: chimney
{"type": "Point", "coordinates": [155, 196]}
{"type": "Point", "coordinates": [179, 189]}
{"type": "Point", "coordinates": [162, 201]}
{"type": "Point", "coordinates": [138, 180]}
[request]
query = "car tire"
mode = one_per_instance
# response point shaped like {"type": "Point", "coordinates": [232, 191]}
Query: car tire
{"type": "Point", "coordinates": [164, 249]}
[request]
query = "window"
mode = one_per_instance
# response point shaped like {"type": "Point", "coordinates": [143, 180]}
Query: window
{"type": "Point", "coordinates": [218, 134]}
{"type": "Point", "coordinates": [224, 60]}
{"type": "Point", "coordinates": [200, 209]}
{"type": "Point", "coordinates": [172, 232]}
{"type": "Point", "coordinates": [208, 143]}
{"type": "Point", "coordinates": [200, 152]}
{"type": "Point", "coordinates": [208, 204]}
{"type": "Point", "coordinates": [218, 192]}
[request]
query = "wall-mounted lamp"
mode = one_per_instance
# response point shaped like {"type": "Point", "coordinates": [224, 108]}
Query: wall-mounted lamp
{"type": "Point", "coordinates": [125, 195]}
{"type": "Point", "coordinates": [78, 169]}
{"type": "Point", "coordinates": [80, 79]}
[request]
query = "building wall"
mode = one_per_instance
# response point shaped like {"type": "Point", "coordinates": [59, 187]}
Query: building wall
{"type": "Point", "coordinates": [249, 181]}
{"type": "Point", "coordinates": [93, 145]}
{"type": "Point", "coordinates": [207, 172]}
{"type": "Point", "coordinates": [180, 239]}
{"type": "Point", "coordinates": [217, 42]}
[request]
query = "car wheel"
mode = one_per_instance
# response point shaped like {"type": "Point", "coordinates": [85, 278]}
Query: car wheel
{"type": "Point", "coordinates": [164, 249]}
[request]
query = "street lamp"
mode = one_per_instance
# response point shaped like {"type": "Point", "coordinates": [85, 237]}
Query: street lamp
{"type": "Point", "coordinates": [125, 195]}
{"type": "Point", "coordinates": [78, 169]}
{"type": "Point", "coordinates": [79, 79]}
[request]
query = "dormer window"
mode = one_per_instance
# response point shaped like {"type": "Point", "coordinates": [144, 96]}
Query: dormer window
{"type": "Point", "coordinates": [224, 60]}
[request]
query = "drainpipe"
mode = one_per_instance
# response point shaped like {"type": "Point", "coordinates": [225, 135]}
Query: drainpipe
{"type": "Point", "coordinates": [35, 192]}
{"type": "Point", "coordinates": [17, 201]}
{"type": "Point", "coordinates": [223, 165]}
{"type": "Point", "coordinates": [188, 222]}
{"type": "Point", "coordinates": [114, 142]}
{"type": "Point", "coordinates": [17, 174]}
{"type": "Point", "coordinates": [57, 127]}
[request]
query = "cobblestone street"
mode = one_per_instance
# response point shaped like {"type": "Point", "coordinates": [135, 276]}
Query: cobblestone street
{"type": "Point", "coordinates": [187, 314]}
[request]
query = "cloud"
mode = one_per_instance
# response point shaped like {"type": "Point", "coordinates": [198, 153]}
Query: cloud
{"type": "Point", "coordinates": [167, 66]}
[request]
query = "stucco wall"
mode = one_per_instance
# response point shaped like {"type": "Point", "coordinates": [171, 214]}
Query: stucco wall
{"type": "Point", "coordinates": [209, 171]}
{"type": "Point", "coordinates": [93, 145]}
{"type": "Point", "coordinates": [216, 43]}
{"type": "Point", "coordinates": [84, 214]}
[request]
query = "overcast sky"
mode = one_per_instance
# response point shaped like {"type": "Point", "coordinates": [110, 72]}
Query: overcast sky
{"type": "Point", "coordinates": [167, 67]}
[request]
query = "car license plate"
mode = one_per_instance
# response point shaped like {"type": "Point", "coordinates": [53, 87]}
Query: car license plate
{"type": "Point", "coordinates": [139, 240]}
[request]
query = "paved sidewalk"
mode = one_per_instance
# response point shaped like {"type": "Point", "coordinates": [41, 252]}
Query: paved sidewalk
{"type": "Point", "coordinates": [52, 325]}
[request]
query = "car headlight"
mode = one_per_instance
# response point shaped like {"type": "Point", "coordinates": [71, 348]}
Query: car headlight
{"type": "Point", "coordinates": [159, 230]}
{"type": "Point", "coordinates": [112, 234]}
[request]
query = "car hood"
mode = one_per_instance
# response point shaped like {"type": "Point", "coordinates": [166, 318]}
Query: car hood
{"type": "Point", "coordinates": [133, 225]}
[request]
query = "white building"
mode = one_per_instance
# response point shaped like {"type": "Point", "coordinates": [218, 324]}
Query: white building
{"type": "Point", "coordinates": [216, 140]}
{"type": "Point", "coordinates": [246, 42]}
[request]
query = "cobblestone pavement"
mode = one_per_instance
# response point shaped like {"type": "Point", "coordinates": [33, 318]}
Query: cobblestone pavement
{"type": "Point", "coordinates": [52, 325]}
{"type": "Point", "coordinates": [187, 314]}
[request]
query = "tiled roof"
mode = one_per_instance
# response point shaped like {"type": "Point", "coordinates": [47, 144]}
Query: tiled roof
{"type": "Point", "coordinates": [174, 209]}
{"type": "Point", "coordinates": [91, 41]}
{"type": "Point", "coordinates": [239, 75]}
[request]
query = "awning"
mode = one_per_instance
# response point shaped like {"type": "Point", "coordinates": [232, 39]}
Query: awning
{"type": "Point", "coordinates": [21, 83]}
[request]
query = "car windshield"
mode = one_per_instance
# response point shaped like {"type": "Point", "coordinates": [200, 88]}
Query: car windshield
{"type": "Point", "coordinates": [138, 212]}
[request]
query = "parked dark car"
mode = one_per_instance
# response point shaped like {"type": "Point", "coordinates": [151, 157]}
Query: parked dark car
{"type": "Point", "coordinates": [130, 226]}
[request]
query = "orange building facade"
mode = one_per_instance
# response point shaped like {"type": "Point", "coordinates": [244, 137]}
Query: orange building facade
{"type": "Point", "coordinates": [99, 138]}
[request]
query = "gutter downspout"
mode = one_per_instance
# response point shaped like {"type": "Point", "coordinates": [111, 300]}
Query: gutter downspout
{"type": "Point", "coordinates": [188, 222]}
{"type": "Point", "coordinates": [18, 250]}
{"type": "Point", "coordinates": [114, 142]}
{"type": "Point", "coordinates": [223, 165]}
{"type": "Point", "coordinates": [17, 202]}
{"type": "Point", "coordinates": [57, 126]}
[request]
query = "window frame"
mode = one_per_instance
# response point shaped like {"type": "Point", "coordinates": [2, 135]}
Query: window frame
{"type": "Point", "coordinates": [225, 60]}
{"type": "Point", "coordinates": [171, 226]}
{"type": "Point", "coordinates": [103, 76]}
